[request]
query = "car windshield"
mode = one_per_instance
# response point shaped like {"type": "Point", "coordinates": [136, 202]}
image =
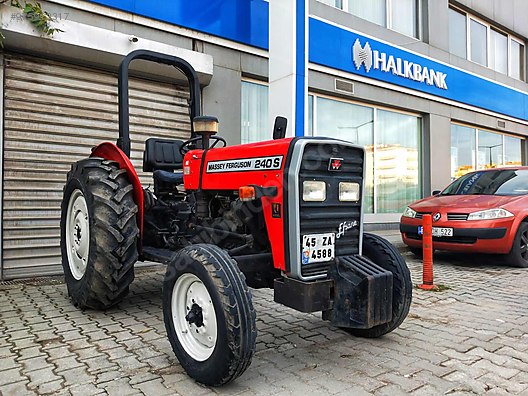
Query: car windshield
{"type": "Point", "coordinates": [491, 182]}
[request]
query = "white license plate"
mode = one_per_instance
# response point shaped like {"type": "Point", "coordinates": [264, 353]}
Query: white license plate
{"type": "Point", "coordinates": [318, 248]}
{"type": "Point", "coordinates": [438, 231]}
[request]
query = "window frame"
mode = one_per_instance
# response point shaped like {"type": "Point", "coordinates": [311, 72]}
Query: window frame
{"type": "Point", "coordinates": [388, 16]}
{"type": "Point", "coordinates": [476, 131]}
{"type": "Point", "coordinates": [375, 108]}
{"type": "Point", "coordinates": [489, 27]}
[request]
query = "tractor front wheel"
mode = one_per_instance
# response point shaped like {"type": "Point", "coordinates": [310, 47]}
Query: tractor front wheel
{"type": "Point", "coordinates": [99, 233]}
{"type": "Point", "coordinates": [209, 315]}
{"type": "Point", "coordinates": [384, 254]}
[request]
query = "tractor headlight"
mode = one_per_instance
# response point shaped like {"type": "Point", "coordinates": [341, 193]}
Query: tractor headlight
{"type": "Point", "coordinates": [348, 192]}
{"type": "Point", "coordinates": [408, 212]}
{"type": "Point", "coordinates": [490, 214]}
{"type": "Point", "coordinates": [314, 191]}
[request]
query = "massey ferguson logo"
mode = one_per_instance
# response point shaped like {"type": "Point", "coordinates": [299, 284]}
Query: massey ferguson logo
{"type": "Point", "coordinates": [335, 164]}
{"type": "Point", "coordinates": [370, 58]}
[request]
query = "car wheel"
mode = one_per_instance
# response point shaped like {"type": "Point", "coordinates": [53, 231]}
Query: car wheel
{"type": "Point", "coordinates": [518, 256]}
{"type": "Point", "coordinates": [416, 251]}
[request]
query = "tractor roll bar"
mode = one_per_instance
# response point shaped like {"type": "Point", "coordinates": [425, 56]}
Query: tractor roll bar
{"type": "Point", "coordinates": [122, 87]}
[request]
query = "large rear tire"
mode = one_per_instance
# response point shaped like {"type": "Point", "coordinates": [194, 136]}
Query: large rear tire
{"type": "Point", "coordinates": [384, 254]}
{"type": "Point", "coordinates": [99, 233]}
{"type": "Point", "coordinates": [518, 256]}
{"type": "Point", "coordinates": [209, 315]}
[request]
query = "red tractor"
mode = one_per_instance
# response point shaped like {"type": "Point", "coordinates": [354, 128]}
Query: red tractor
{"type": "Point", "coordinates": [283, 214]}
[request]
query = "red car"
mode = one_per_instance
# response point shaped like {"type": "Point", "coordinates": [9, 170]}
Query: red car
{"type": "Point", "coordinates": [485, 211]}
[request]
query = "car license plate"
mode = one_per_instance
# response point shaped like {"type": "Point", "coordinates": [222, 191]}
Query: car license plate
{"type": "Point", "coordinates": [438, 231]}
{"type": "Point", "coordinates": [318, 248]}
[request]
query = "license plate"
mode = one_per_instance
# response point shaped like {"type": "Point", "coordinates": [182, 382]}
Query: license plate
{"type": "Point", "coordinates": [438, 231]}
{"type": "Point", "coordinates": [318, 248]}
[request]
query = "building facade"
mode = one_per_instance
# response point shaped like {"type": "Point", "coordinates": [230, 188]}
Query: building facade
{"type": "Point", "coordinates": [431, 89]}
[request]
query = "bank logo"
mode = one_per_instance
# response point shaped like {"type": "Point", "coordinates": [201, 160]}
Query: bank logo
{"type": "Point", "coordinates": [362, 55]}
{"type": "Point", "coordinates": [373, 59]}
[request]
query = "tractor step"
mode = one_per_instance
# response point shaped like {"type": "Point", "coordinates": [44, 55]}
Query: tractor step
{"type": "Point", "coordinates": [362, 293]}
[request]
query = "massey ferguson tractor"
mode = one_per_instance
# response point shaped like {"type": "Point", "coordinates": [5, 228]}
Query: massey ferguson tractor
{"type": "Point", "coordinates": [284, 214]}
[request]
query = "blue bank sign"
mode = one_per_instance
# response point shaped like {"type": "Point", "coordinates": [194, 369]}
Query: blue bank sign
{"type": "Point", "coordinates": [342, 49]}
{"type": "Point", "coordinates": [377, 60]}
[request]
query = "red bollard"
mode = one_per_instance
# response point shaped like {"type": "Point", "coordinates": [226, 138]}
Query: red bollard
{"type": "Point", "coordinates": [427, 244]}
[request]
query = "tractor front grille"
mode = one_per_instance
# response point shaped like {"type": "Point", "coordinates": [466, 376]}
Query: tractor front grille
{"type": "Point", "coordinates": [325, 217]}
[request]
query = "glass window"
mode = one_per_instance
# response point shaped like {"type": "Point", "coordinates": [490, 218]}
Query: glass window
{"type": "Point", "coordinates": [333, 3]}
{"type": "Point", "coordinates": [354, 123]}
{"type": "Point", "coordinates": [371, 10]}
{"type": "Point", "coordinates": [512, 151]}
{"type": "Point", "coordinates": [494, 182]}
{"type": "Point", "coordinates": [517, 60]}
{"type": "Point", "coordinates": [479, 42]}
{"type": "Point", "coordinates": [397, 161]}
{"type": "Point", "coordinates": [462, 150]}
{"type": "Point", "coordinates": [489, 150]}
{"type": "Point", "coordinates": [404, 18]}
{"type": "Point", "coordinates": [457, 33]}
{"type": "Point", "coordinates": [392, 163]}
{"type": "Point", "coordinates": [254, 109]}
{"type": "Point", "coordinates": [499, 51]}
{"type": "Point", "coordinates": [310, 114]}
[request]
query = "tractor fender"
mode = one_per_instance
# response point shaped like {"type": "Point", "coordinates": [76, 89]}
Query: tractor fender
{"type": "Point", "coordinates": [111, 152]}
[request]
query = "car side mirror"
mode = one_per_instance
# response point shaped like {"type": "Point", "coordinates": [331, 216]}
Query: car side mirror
{"type": "Point", "coordinates": [436, 192]}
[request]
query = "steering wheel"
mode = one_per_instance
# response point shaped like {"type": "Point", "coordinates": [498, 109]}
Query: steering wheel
{"type": "Point", "coordinates": [186, 146]}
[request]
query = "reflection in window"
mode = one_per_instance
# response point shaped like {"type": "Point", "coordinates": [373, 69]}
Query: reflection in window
{"type": "Point", "coordinates": [353, 123]}
{"type": "Point", "coordinates": [462, 150]}
{"type": "Point", "coordinates": [499, 51]}
{"type": "Point", "coordinates": [371, 10]}
{"type": "Point", "coordinates": [254, 109]}
{"type": "Point", "coordinates": [517, 60]}
{"type": "Point", "coordinates": [404, 17]}
{"type": "Point", "coordinates": [479, 42]}
{"type": "Point", "coordinates": [392, 164]}
{"type": "Point", "coordinates": [494, 150]}
{"type": "Point", "coordinates": [397, 161]}
{"type": "Point", "coordinates": [512, 151]}
{"type": "Point", "coordinates": [489, 150]}
{"type": "Point", "coordinates": [457, 33]}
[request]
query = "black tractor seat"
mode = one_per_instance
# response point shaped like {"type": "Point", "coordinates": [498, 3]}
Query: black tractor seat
{"type": "Point", "coordinates": [168, 177]}
{"type": "Point", "coordinates": [162, 154]}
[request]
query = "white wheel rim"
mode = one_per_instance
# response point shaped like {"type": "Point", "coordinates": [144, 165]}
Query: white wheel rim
{"type": "Point", "coordinates": [198, 338]}
{"type": "Point", "coordinates": [77, 234]}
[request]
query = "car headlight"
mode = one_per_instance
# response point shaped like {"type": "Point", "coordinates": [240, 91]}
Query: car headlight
{"type": "Point", "coordinates": [408, 212]}
{"type": "Point", "coordinates": [348, 192]}
{"type": "Point", "coordinates": [490, 214]}
{"type": "Point", "coordinates": [314, 191]}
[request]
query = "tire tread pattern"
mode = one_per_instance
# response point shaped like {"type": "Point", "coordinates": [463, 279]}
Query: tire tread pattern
{"type": "Point", "coordinates": [113, 234]}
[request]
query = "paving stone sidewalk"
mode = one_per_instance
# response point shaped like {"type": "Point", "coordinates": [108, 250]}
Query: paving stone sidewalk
{"type": "Point", "coordinates": [470, 339]}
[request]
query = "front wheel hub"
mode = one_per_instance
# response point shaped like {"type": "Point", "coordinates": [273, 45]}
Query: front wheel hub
{"type": "Point", "coordinates": [194, 317]}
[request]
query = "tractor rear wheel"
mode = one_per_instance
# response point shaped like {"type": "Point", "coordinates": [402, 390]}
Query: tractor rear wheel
{"type": "Point", "coordinates": [209, 315]}
{"type": "Point", "coordinates": [384, 254]}
{"type": "Point", "coordinates": [99, 233]}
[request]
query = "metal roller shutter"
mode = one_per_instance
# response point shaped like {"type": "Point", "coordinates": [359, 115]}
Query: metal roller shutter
{"type": "Point", "coordinates": [53, 114]}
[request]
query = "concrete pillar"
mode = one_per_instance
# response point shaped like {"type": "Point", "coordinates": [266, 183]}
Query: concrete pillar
{"type": "Point", "coordinates": [437, 153]}
{"type": "Point", "coordinates": [288, 63]}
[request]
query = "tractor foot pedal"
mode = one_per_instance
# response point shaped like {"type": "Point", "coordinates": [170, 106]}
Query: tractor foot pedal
{"type": "Point", "coordinates": [362, 293]}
